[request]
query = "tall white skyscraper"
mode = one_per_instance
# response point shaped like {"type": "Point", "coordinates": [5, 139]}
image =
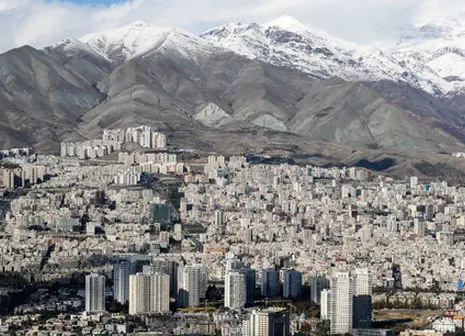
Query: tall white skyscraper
{"type": "Point", "coordinates": [342, 294]}
{"type": "Point", "coordinates": [191, 285]}
{"type": "Point", "coordinates": [121, 273]}
{"type": "Point", "coordinates": [159, 293]}
{"type": "Point", "coordinates": [325, 304]}
{"type": "Point", "coordinates": [363, 306]}
{"type": "Point", "coordinates": [95, 293]}
{"type": "Point", "coordinates": [235, 290]}
{"type": "Point", "coordinates": [149, 293]}
{"type": "Point", "coordinates": [139, 292]}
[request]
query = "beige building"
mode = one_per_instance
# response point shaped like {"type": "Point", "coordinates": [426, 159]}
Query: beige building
{"type": "Point", "coordinates": [268, 322]}
{"type": "Point", "coordinates": [149, 293]}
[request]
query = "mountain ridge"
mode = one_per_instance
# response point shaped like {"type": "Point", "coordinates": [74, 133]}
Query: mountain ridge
{"type": "Point", "coordinates": [210, 97]}
{"type": "Point", "coordinates": [324, 56]}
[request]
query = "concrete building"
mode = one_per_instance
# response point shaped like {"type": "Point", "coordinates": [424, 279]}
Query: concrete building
{"type": "Point", "coordinates": [250, 278]}
{"type": "Point", "coordinates": [363, 306]}
{"type": "Point", "coordinates": [165, 266]}
{"type": "Point", "coordinates": [325, 304]}
{"type": "Point", "coordinates": [268, 322]}
{"type": "Point", "coordinates": [121, 273]}
{"type": "Point", "coordinates": [232, 264]}
{"type": "Point", "coordinates": [11, 178]}
{"type": "Point", "coordinates": [139, 293]}
{"type": "Point", "coordinates": [159, 293]}
{"type": "Point", "coordinates": [235, 290]}
{"type": "Point", "coordinates": [342, 293]}
{"type": "Point", "coordinates": [95, 293]}
{"type": "Point", "coordinates": [317, 284]}
{"type": "Point", "coordinates": [419, 227]}
{"type": "Point", "coordinates": [270, 283]}
{"type": "Point", "coordinates": [149, 293]}
{"type": "Point", "coordinates": [292, 284]}
{"type": "Point", "coordinates": [219, 222]}
{"type": "Point", "coordinates": [191, 284]}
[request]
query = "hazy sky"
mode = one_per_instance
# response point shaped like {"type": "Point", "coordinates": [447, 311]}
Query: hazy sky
{"type": "Point", "coordinates": [43, 22]}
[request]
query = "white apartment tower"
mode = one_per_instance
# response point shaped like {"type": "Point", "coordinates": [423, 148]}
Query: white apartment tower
{"type": "Point", "coordinates": [342, 293]}
{"type": "Point", "coordinates": [191, 285]}
{"type": "Point", "coordinates": [95, 293]}
{"type": "Point", "coordinates": [158, 140]}
{"type": "Point", "coordinates": [325, 304]}
{"type": "Point", "coordinates": [149, 293]}
{"type": "Point", "coordinates": [159, 293]}
{"type": "Point", "coordinates": [139, 291]}
{"type": "Point", "coordinates": [235, 290]}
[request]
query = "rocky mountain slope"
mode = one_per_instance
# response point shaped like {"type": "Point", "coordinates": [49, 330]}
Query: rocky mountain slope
{"type": "Point", "coordinates": [209, 87]}
{"type": "Point", "coordinates": [276, 89]}
{"type": "Point", "coordinates": [40, 99]}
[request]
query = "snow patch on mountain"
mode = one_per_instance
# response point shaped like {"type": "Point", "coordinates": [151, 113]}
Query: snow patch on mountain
{"type": "Point", "coordinates": [449, 65]}
{"type": "Point", "coordinates": [126, 42]}
{"type": "Point", "coordinates": [288, 23]}
{"type": "Point", "coordinates": [73, 45]}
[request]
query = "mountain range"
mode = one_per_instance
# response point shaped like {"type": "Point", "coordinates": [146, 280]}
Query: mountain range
{"type": "Point", "coordinates": [279, 88]}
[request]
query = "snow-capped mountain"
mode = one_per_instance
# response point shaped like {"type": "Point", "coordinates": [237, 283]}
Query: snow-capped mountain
{"type": "Point", "coordinates": [430, 57]}
{"type": "Point", "coordinates": [437, 47]}
{"type": "Point", "coordinates": [122, 44]}
{"type": "Point", "coordinates": [200, 92]}
{"type": "Point", "coordinates": [422, 58]}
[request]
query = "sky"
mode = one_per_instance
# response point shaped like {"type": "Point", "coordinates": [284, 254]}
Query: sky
{"type": "Point", "coordinates": [43, 22]}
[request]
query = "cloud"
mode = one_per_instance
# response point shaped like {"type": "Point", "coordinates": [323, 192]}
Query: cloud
{"type": "Point", "coordinates": [440, 10]}
{"type": "Point", "coordinates": [43, 22]}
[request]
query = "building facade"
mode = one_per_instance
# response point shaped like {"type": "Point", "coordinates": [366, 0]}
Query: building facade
{"type": "Point", "coordinates": [342, 293]}
{"type": "Point", "coordinates": [95, 293]}
{"type": "Point", "coordinates": [121, 273]}
{"type": "Point", "coordinates": [149, 293]}
{"type": "Point", "coordinates": [235, 290]}
{"type": "Point", "coordinates": [191, 285]}
{"type": "Point", "coordinates": [292, 284]}
{"type": "Point", "coordinates": [270, 283]}
{"type": "Point", "coordinates": [268, 322]}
